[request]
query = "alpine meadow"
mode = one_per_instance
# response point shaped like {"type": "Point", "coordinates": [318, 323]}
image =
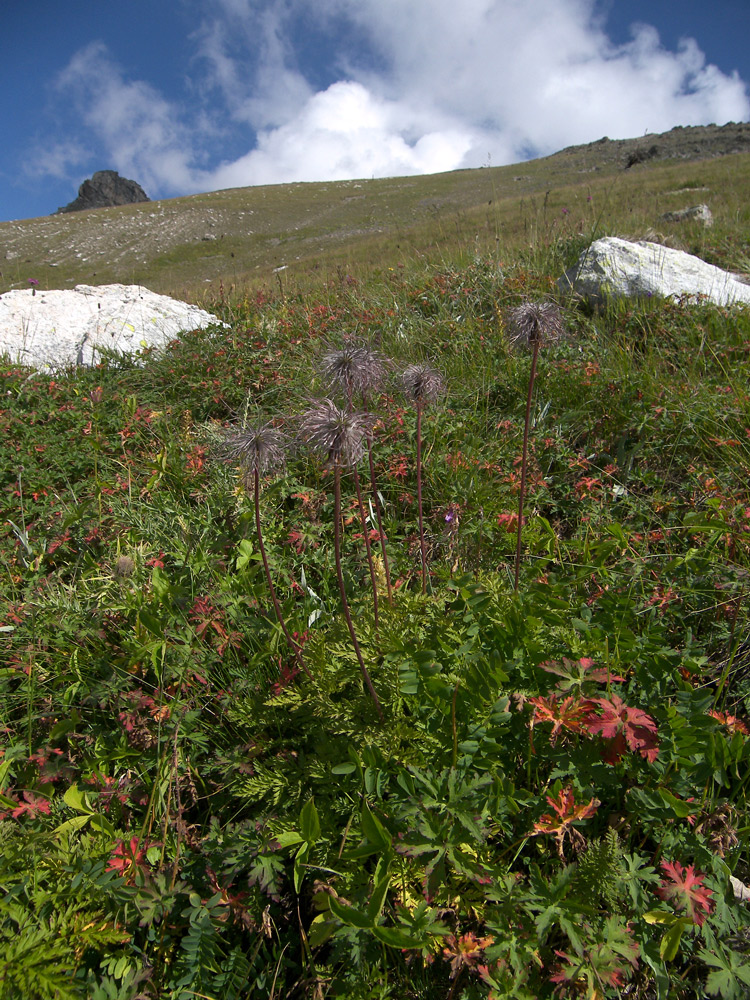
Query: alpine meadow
{"type": "Point", "coordinates": [392, 641]}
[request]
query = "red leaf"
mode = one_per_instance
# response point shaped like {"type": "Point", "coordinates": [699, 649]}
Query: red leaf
{"type": "Point", "coordinates": [567, 812]}
{"type": "Point", "coordinates": [33, 805]}
{"type": "Point", "coordinates": [618, 722]}
{"type": "Point", "coordinates": [569, 713]}
{"type": "Point", "coordinates": [686, 891]}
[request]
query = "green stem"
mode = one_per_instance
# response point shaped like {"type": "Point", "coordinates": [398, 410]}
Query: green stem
{"type": "Point", "coordinates": [342, 588]}
{"type": "Point", "coordinates": [296, 648]}
{"type": "Point", "coordinates": [419, 497]}
{"type": "Point", "coordinates": [368, 547]}
{"type": "Point", "coordinates": [524, 459]}
{"type": "Point", "coordinates": [378, 514]}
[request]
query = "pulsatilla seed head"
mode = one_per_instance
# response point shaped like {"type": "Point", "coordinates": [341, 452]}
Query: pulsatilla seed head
{"type": "Point", "coordinates": [336, 434]}
{"type": "Point", "coordinates": [354, 368]}
{"type": "Point", "coordinates": [534, 322]}
{"type": "Point", "coordinates": [257, 448]}
{"type": "Point", "coordinates": [422, 383]}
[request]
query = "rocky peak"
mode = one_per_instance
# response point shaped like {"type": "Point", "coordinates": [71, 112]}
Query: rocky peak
{"type": "Point", "coordinates": [105, 189]}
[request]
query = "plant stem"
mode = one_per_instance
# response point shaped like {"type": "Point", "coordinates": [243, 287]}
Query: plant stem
{"type": "Point", "coordinates": [342, 588]}
{"type": "Point", "coordinates": [296, 648]}
{"type": "Point", "coordinates": [378, 512]}
{"type": "Point", "coordinates": [368, 547]}
{"type": "Point", "coordinates": [524, 457]}
{"type": "Point", "coordinates": [419, 496]}
{"type": "Point", "coordinates": [381, 532]}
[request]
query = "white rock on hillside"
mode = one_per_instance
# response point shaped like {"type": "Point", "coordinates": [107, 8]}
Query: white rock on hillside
{"type": "Point", "coordinates": [698, 213]}
{"type": "Point", "coordinates": [614, 268]}
{"type": "Point", "coordinates": [52, 329]}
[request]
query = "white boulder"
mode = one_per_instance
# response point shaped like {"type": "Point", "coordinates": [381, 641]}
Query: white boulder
{"type": "Point", "coordinates": [57, 328]}
{"type": "Point", "coordinates": [615, 268]}
{"type": "Point", "coordinates": [698, 213]}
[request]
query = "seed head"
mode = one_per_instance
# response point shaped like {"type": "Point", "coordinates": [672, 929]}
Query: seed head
{"type": "Point", "coordinates": [533, 322]}
{"type": "Point", "coordinates": [124, 567]}
{"type": "Point", "coordinates": [256, 447]}
{"type": "Point", "coordinates": [354, 368]}
{"type": "Point", "coordinates": [338, 435]}
{"type": "Point", "coordinates": [422, 383]}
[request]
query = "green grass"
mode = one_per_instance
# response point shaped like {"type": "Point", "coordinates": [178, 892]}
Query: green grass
{"type": "Point", "coordinates": [557, 793]}
{"type": "Point", "coordinates": [228, 243]}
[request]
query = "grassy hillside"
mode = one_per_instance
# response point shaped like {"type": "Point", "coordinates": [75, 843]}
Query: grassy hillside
{"type": "Point", "coordinates": [235, 239]}
{"type": "Point", "coordinates": [244, 753]}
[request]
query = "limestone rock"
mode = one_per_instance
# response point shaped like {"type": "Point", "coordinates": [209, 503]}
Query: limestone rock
{"type": "Point", "coordinates": [58, 328]}
{"type": "Point", "coordinates": [615, 268]}
{"type": "Point", "coordinates": [104, 190]}
{"type": "Point", "coordinates": [701, 213]}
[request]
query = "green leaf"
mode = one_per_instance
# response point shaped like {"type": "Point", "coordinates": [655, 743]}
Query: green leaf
{"type": "Point", "coordinates": [4, 768]}
{"type": "Point", "coordinates": [245, 553]}
{"type": "Point", "coordinates": [320, 930]}
{"type": "Point", "coordinates": [76, 823]}
{"type": "Point", "coordinates": [102, 825]}
{"type": "Point", "coordinates": [76, 799]}
{"type": "Point", "coordinates": [396, 937]}
{"type": "Point", "coordinates": [373, 829]}
{"type": "Point", "coordinates": [670, 943]}
{"type": "Point", "coordinates": [160, 584]}
{"type": "Point", "coordinates": [680, 808]}
{"type": "Point", "coordinates": [350, 915]}
{"type": "Point", "coordinates": [658, 917]}
{"type": "Point", "coordinates": [347, 768]}
{"type": "Point", "coordinates": [309, 822]}
{"type": "Point", "coordinates": [151, 623]}
{"type": "Point", "coordinates": [289, 838]}
{"type": "Point", "coordinates": [299, 863]}
{"type": "Point", "coordinates": [377, 900]}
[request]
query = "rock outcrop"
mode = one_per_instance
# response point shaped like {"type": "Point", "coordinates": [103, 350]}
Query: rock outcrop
{"type": "Point", "coordinates": [58, 328]}
{"type": "Point", "coordinates": [105, 189]}
{"type": "Point", "coordinates": [698, 213]}
{"type": "Point", "coordinates": [615, 268]}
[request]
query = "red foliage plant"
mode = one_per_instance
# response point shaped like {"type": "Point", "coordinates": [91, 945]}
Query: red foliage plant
{"type": "Point", "coordinates": [686, 891]}
{"type": "Point", "coordinates": [623, 728]}
{"type": "Point", "coordinates": [566, 812]}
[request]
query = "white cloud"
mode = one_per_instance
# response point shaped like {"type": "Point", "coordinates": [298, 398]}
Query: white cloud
{"type": "Point", "coordinates": [344, 132]}
{"type": "Point", "coordinates": [139, 131]}
{"type": "Point", "coordinates": [55, 159]}
{"type": "Point", "coordinates": [251, 62]}
{"type": "Point", "coordinates": [415, 87]}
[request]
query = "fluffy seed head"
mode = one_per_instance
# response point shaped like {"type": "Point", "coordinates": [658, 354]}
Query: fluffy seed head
{"type": "Point", "coordinates": [533, 322]}
{"type": "Point", "coordinates": [338, 435]}
{"type": "Point", "coordinates": [354, 368]}
{"type": "Point", "coordinates": [422, 383]}
{"type": "Point", "coordinates": [124, 567]}
{"type": "Point", "coordinates": [256, 447]}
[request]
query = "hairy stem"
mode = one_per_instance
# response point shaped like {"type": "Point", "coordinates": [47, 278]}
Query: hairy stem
{"type": "Point", "coordinates": [368, 547]}
{"type": "Point", "coordinates": [524, 458]}
{"type": "Point", "coordinates": [378, 514]}
{"type": "Point", "coordinates": [419, 497]}
{"type": "Point", "coordinates": [342, 588]}
{"type": "Point", "coordinates": [295, 647]}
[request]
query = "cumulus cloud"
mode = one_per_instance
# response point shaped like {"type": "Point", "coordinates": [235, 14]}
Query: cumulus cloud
{"type": "Point", "coordinates": [367, 88]}
{"type": "Point", "coordinates": [344, 131]}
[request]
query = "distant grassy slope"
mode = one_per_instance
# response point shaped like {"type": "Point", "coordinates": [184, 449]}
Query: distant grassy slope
{"type": "Point", "coordinates": [236, 238]}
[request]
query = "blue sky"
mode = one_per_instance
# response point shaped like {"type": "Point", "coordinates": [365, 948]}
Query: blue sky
{"type": "Point", "coordinates": [197, 95]}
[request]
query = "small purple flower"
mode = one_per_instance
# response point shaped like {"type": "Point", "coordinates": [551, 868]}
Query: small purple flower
{"type": "Point", "coordinates": [566, 211]}
{"type": "Point", "coordinates": [33, 282]}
